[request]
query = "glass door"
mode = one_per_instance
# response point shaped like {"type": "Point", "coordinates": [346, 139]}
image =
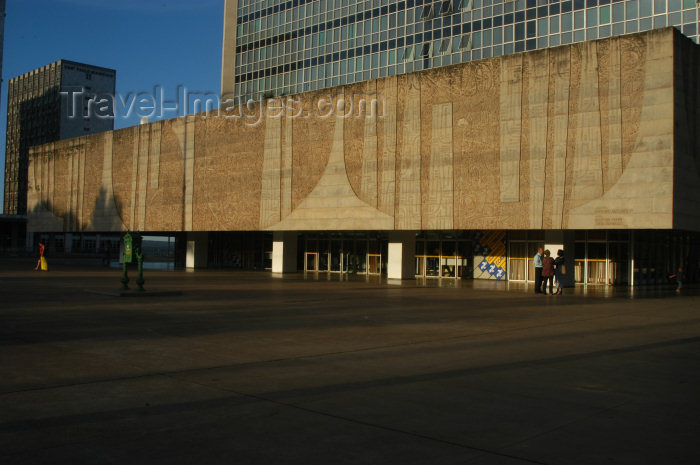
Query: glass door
{"type": "Point", "coordinates": [323, 255]}
{"type": "Point", "coordinates": [596, 263]}
{"type": "Point", "coordinates": [618, 263]}
{"type": "Point", "coordinates": [532, 248]}
{"type": "Point", "coordinates": [443, 259]}
{"type": "Point", "coordinates": [420, 258]}
{"type": "Point", "coordinates": [517, 269]}
{"type": "Point", "coordinates": [465, 259]}
{"type": "Point", "coordinates": [311, 261]}
{"type": "Point", "coordinates": [358, 260]}
{"type": "Point", "coordinates": [448, 259]}
{"type": "Point", "coordinates": [336, 255]}
{"type": "Point", "coordinates": [374, 263]}
{"type": "Point", "coordinates": [432, 259]}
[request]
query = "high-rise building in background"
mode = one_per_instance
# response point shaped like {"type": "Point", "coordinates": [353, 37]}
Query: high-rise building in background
{"type": "Point", "coordinates": [45, 105]}
{"type": "Point", "coordinates": [2, 35]}
{"type": "Point", "coordinates": [278, 47]}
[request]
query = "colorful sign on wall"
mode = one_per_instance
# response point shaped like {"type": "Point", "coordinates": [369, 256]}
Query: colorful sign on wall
{"type": "Point", "coordinates": [489, 254]}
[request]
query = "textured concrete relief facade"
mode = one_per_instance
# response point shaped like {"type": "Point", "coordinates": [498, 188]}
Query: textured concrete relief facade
{"type": "Point", "coordinates": [439, 201]}
{"type": "Point", "coordinates": [643, 194]}
{"type": "Point", "coordinates": [574, 137]}
{"type": "Point", "coordinates": [476, 136]}
{"type": "Point", "coordinates": [333, 202]}
{"type": "Point", "coordinates": [408, 160]}
{"type": "Point", "coordinates": [386, 145]}
{"type": "Point", "coordinates": [270, 202]}
{"type": "Point", "coordinates": [557, 135]}
{"type": "Point", "coordinates": [537, 69]}
{"type": "Point", "coordinates": [510, 126]}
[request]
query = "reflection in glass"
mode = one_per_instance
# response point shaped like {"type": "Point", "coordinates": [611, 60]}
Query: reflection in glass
{"type": "Point", "coordinates": [432, 266]}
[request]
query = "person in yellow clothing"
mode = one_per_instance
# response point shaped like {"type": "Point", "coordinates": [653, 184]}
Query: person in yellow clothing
{"type": "Point", "coordinates": [41, 264]}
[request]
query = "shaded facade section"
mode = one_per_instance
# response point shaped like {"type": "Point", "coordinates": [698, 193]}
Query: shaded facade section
{"type": "Point", "coordinates": [46, 105]}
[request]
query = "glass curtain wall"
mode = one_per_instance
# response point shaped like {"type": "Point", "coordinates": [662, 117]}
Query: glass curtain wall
{"type": "Point", "coordinates": [523, 246]}
{"type": "Point", "coordinates": [285, 48]}
{"type": "Point", "coordinates": [445, 254]}
{"type": "Point", "coordinates": [346, 252]}
{"type": "Point", "coordinates": [659, 253]}
{"type": "Point", "coordinates": [602, 257]}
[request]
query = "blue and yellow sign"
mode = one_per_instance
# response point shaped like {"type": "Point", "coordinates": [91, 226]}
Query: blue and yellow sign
{"type": "Point", "coordinates": [490, 248]}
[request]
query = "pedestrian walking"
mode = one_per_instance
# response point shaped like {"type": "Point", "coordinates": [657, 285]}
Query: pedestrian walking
{"type": "Point", "coordinates": [547, 272]}
{"type": "Point", "coordinates": [41, 264]}
{"type": "Point", "coordinates": [538, 271]}
{"type": "Point", "coordinates": [679, 278]}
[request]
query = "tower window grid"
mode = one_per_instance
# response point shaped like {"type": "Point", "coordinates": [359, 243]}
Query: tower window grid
{"type": "Point", "coordinates": [283, 50]}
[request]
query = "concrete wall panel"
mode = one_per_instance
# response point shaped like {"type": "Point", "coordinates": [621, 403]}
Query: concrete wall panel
{"type": "Point", "coordinates": [574, 137]}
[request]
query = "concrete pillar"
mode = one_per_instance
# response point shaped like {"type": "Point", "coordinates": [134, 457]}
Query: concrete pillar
{"type": "Point", "coordinates": [284, 252]}
{"type": "Point", "coordinates": [402, 255]}
{"type": "Point", "coordinates": [565, 240]}
{"type": "Point", "coordinates": [67, 243]}
{"type": "Point", "coordinates": [197, 250]}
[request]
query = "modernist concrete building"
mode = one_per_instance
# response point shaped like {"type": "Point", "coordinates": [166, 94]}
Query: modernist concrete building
{"type": "Point", "coordinates": [462, 171]}
{"type": "Point", "coordinates": [278, 47]}
{"type": "Point", "coordinates": [37, 113]}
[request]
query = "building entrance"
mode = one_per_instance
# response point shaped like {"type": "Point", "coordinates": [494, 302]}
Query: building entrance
{"type": "Point", "coordinates": [602, 257]}
{"type": "Point", "coordinates": [352, 253]}
{"type": "Point", "coordinates": [523, 246]}
{"type": "Point", "coordinates": [443, 255]}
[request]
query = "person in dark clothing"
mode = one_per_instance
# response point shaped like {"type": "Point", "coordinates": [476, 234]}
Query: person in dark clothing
{"type": "Point", "coordinates": [559, 270]}
{"type": "Point", "coordinates": [679, 278]}
{"type": "Point", "coordinates": [547, 272]}
{"type": "Point", "coordinates": [538, 271]}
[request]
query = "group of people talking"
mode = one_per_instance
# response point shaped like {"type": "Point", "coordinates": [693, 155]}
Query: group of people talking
{"type": "Point", "coordinates": [547, 269]}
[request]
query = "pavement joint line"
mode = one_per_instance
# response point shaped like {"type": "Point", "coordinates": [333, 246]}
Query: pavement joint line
{"type": "Point", "coordinates": [370, 425]}
{"type": "Point", "coordinates": [404, 379]}
{"type": "Point", "coordinates": [396, 430]}
{"type": "Point", "coordinates": [327, 354]}
{"type": "Point", "coordinates": [598, 411]}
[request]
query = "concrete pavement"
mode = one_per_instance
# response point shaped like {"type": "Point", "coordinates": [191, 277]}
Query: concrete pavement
{"type": "Point", "coordinates": [246, 368]}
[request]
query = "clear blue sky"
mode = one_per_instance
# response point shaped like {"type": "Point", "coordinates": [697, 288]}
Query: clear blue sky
{"type": "Point", "coordinates": [149, 42]}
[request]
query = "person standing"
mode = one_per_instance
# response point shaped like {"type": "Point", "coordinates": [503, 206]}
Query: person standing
{"type": "Point", "coordinates": [547, 273]}
{"type": "Point", "coordinates": [538, 271]}
{"type": "Point", "coordinates": [559, 270]}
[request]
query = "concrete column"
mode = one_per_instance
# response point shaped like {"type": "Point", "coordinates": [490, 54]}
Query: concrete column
{"type": "Point", "coordinates": [67, 243]}
{"type": "Point", "coordinates": [284, 252]}
{"type": "Point", "coordinates": [197, 250]}
{"type": "Point", "coordinates": [402, 255]}
{"type": "Point", "coordinates": [565, 240]}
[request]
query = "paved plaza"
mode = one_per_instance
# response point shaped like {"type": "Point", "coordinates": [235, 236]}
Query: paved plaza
{"type": "Point", "coordinates": [246, 368]}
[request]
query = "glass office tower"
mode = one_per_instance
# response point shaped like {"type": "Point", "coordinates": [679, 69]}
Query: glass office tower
{"type": "Point", "coordinates": [288, 47]}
